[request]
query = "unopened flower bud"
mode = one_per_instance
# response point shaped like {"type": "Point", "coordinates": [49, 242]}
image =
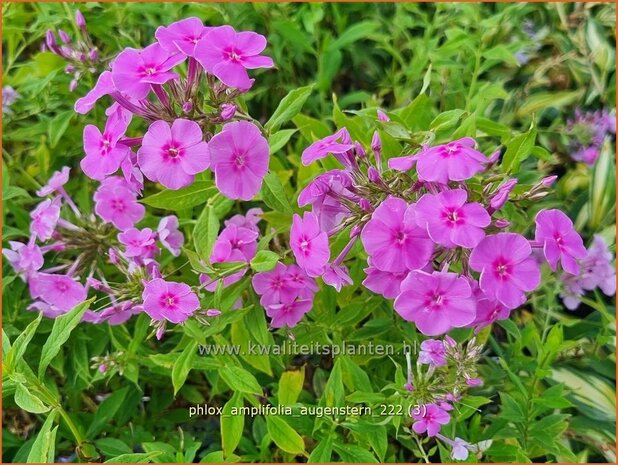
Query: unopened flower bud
{"type": "Point", "coordinates": [228, 110]}
{"type": "Point", "coordinates": [93, 54]}
{"type": "Point", "coordinates": [73, 85]}
{"type": "Point", "coordinates": [345, 136]}
{"type": "Point", "coordinates": [69, 69]}
{"type": "Point", "coordinates": [548, 181]}
{"type": "Point", "coordinates": [449, 341]}
{"type": "Point", "coordinates": [365, 205]}
{"type": "Point", "coordinates": [383, 116]}
{"type": "Point", "coordinates": [113, 256]}
{"type": "Point", "coordinates": [374, 176]}
{"type": "Point", "coordinates": [160, 332]}
{"type": "Point", "coordinates": [360, 150]}
{"type": "Point", "coordinates": [409, 387]}
{"type": "Point", "coordinates": [502, 223]}
{"type": "Point", "coordinates": [473, 382]}
{"type": "Point", "coordinates": [376, 142]}
{"type": "Point", "coordinates": [355, 231]}
{"type": "Point", "coordinates": [187, 107]}
{"type": "Point", "coordinates": [102, 368]}
{"type": "Point", "coordinates": [64, 36]}
{"type": "Point", "coordinates": [494, 157]}
{"type": "Point", "coordinates": [502, 194]}
{"type": "Point", "coordinates": [80, 21]}
{"type": "Point", "coordinates": [50, 41]}
{"type": "Point", "coordinates": [213, 312]}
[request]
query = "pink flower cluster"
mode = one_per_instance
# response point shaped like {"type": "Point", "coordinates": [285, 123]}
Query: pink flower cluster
{"type": "Point", "coordinates": [181, 140]}
{"type": "Point", "coordinates": [440, 249]}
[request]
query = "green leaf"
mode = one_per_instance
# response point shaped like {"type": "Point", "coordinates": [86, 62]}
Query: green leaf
{"type": "Point", "coordinates": [323, 451]}
{"type": "Point", "coordinates": [239, 379]}
{"type": "Point", "coordinates": [284, 436]}
{"type": "Point", "coordinates": [290, 386]}
{"type": "Point", "coordinates": [511, 409]}
{"type": "Point", "coordinates": [188, 197]}
{"type": "Point", "coordinates": [44, 445]}
{"type": "Point", "coordinates": [26, 400]}
{"type": "Point", "coordinates": [183, 365]}
{"type": "Point", "coordinates": [264, 260]}
{"type": "Point", "coordinates": [112, 446]}
{"type": "Point", "coordinates": [17, 351]}
{"type": "Point", "coordinates": [273, 194]}
{"type": "Point", "coordinates": [446, 120]}
{"type": "Point", "coordinates": [289, 107]}
{"type": "Point", "coordinates": [278, 140]}
{"type": "Point", "coordinates": [354, 33]}
{"type": "Point", "coordinates": [354, 454]}
{"type": "Point", "coordinates": [63, 325]}
{"type": "Point", "coordinates": [518, 149]}
{"type": "Point", "coordinates": [205, 232]}
{"type": "Point", "coordinates": [231, 425]}
{"type": "Point", "coordinates": [135, 458]}
{"type": "Point", "coordinates": [542, 100]}
{"type": "Point", "coordinates": [106, 412]}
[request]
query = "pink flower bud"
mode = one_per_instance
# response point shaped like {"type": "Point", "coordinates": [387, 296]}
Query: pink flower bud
{"type": "Point", "coordinates": [494, 157]}
{"type": "Point", "coordinates": [374, 175]}
{"type": "Point", "coordinates": [474, 382]}
{"type": "Point", "coordinates": [113, 256]}
{"type": "Point", "coordinates": [213, 312]}
{"type": "Point", "coordinates": [449, 341]}
{"type": "Point", "coordinates": [102, 368]}
{"type": "Point", "coordinates": [502, 223]}
{"type": "Point", "coordinates": [502, 194]}
{"type": "Point", "coordinates": [160, 332]}
{"type": "Point", "coordinates": [365, 205]}
{"type": "Point", "coordinates": [228, 110]}
{"type": "Point", "coordinates": [548, 181]}
{"type": "Point", "coordinates": [72, 85]}
{"type": "Point", "coordinates": [355, 231]}
{"type": "Point", "coordinates": [360, 151]}
{"type": "Point", "coordinates": [409, 387]}
{"type": "Point", "coordinates": [93, 54]}
{"type": "Point", "coordinates": [50, 41]}
{"type": "Point", "coordinates": [376, 142]}
{"type": "Point", "coordinates": [69, 69]}
{"type": "Point", "coordinates": [383, 116]}
{"type": "Point", "coordinates": [64, 36]}
{"type": "Point", "coordinates": [187, 107]}
{"type": "Point", "coordinates": [80, 20]}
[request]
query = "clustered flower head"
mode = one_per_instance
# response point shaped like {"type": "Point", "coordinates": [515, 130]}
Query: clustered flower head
{"type": "Point", "coordinates": [437, 244]}
{"type": "Point", "coordinates": [588, 131]}
{"type": "Point", "coordinates": [80, 53]}
{"type": "Point", "coordinates": [445, 370]}
{"type": "Point", "coordinates": [184, 88]}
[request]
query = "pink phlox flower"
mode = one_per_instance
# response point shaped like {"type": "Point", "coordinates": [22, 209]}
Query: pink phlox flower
{"type": "Point", "coordinates": [432, 353]}
{"type": "Point", "coordinates": [48, 310]}
{"type": "Point", "coordinates": [134, 71]}
{"type": "Point", "coordinates": [289, 312]}
{"type": "Point", "coordinates": [229, 54]}
{"type": "Point", "coordinates": [450, 221]}
{"type": "Point", "coordinates": [338, 143]}
{"type": "Point", "coordinates": [233, 238]}
{"type": "Point", "coordinates": [489, 311]}
{"type": "Point", "coordinates": [436, 302]}
{"type": "Point", "coordinates": [303, 281]}
{"type": "Point", "coordinates": [239, 157]}
{"type": "Point", "coordinates": [61, 291]}
{"type": "Point", "coordinates": [276, 286]}
{"type": "Point", "coordinates": [324, 193]}
{"type": "Point", "coordinates": [24, 258]}
{"type": "Point", "coordinates": [173, 155]}
{"type": "Point", "coordinates": [116, 203]}
{"type": "Point", "coordinates": [137, 242]}
{"type": "Point", "coordinates": [45, 218]}
{"type": "Point", "coordinates": [393, 240]}
{"type": "Point", "coordinates": [430, 419]}
{"type": "Point", "coordinates": [171, 301]}
{"type": "Point", "coordinates": [309, 244]}
{"type": "Point", "coordinates": [337, 276]}
{"type": "Point", "coordinates": [104, 153]}
{"type": "Point", "coordinates": [119, 313]}
{"type": "Point", "coordinates": [455, 161]}
{"type": "Point", "coordinates": [55, 182]}
{"type": "Point", "coordinates": [169, 235]}
{"type": "Point", "coordinates": [104, 86]}
{"type": "Point", "coordinates": [507, 268]}
{"type": "Point", "coordinates": [249, 220]}
{"type": "Point", "coordinates": [386, 283]}
{"type": "Point", "coordinates": [555, 231]}
{"type": "Point", "coordinates": [181, 35]}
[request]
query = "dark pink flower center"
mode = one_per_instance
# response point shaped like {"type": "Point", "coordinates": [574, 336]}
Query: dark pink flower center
{"type": "Point", "coordinates": [277, 283]}
{"type": "Point", "coordinates": [450, 150]}
{"type": "Point", "coordinates": [148, 70]}
{"type": "Point", "coordinates": [240, 160]}
{"type": "Point", "coordinates": [559, 240]}
{"type": "Point", "coordinates": [61, 286]}
{"type": "Point", "coordinates": [453, 216]}
{"type": "Point", "coordinates": [169, 301]}
{"type": "Point", "coordinates": [233, 55]}
{"type": "Point", "coordinates": [118, 205]}
{"type": "Point", "coordinates": [435, 300]}
{"type": "Point", "coordinates": [400, 237]}
{"type": "Point", "coordinates": [502, 268]}
{"type": "Point", "coordinates": [305, 245]}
